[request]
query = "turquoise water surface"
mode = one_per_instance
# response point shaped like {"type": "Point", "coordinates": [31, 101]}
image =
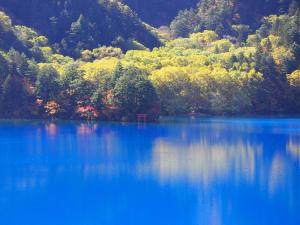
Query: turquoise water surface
{"type": "Point", "coordinates": [209, 171]}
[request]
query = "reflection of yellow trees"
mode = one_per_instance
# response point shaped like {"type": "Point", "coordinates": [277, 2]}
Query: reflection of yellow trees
{"type": "Point", "coordinates": [293, 148]}
{"type": "Point", "coordinates": [277, 172]}
{"type": "Point", "coordinates": [215, 162]}
{"type": "Point", "coordinates": [205, 163]}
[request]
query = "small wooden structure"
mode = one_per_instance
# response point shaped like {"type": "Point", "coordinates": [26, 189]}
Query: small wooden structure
{"type": "Point", "coordinates": [142, 117]}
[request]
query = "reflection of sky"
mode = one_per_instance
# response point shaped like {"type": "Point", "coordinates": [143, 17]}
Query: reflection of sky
{"type": "Point", "coordinates": [206, 172]}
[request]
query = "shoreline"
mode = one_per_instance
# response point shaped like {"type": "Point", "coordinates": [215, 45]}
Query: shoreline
{"type": "Point", "coordinates": [162, 119]}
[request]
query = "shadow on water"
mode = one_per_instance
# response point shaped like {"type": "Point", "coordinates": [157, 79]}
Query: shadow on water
{"type": "Point", "coordinates": [188, 171]}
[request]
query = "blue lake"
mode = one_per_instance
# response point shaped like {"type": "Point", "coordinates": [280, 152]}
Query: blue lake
{"type": "Point", "coordinates": [179, 172]}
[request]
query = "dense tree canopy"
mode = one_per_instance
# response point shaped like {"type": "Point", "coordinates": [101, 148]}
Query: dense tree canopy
{"type": "Point", "coordinates": [221, 15]}
{"type": "Point", "coordinates": [98, 65]}
{"type": "Point", "coordinates": [73, 25]}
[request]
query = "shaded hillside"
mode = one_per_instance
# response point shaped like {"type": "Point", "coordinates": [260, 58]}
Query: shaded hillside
{"type": "Point", "coordinates": [158, 12]}
{"type": "Point", "coordinates": [221, 15]}
{"type": "Point", "coordinates": [74, 25]}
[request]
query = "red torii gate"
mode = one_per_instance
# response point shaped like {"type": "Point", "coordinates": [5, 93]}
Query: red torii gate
{"type": "Point", "coordinates": [142, 117]}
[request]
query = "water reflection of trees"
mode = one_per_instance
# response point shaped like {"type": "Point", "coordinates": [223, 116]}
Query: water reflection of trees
{"type": "Point", "coordinates": [293, 147]}
{"type": "Point", "coordinates": [202, 153]}
{"type": "Point", "coordinates": [203, 162]}
{"type": "Point", "coordinates": [51, 150]}
{"type": "Point", "coordinates": [225, 152]}
{"type": "Point", "coordinates": [204, 157]}
{"type": "Point", "coordinates": [219, 161]}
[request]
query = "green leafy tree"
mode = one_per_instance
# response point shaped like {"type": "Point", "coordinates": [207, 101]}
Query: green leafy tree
{"type": "Point", "coordinates": [47, 84]}
{"type": "Point", "coordinates": [117, 73]}
{"type": "Point", "coordinates": [15, 98]}
{"type": "Point", "coordinates": [185, 23]}
{"type": "Point", "coordinates": [76, 90]}
{"type": "Point", "coordinates": [133, 93]}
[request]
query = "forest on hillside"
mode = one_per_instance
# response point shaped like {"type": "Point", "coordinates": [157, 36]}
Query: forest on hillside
{"type": "Point", "coordinates": [110, 60]}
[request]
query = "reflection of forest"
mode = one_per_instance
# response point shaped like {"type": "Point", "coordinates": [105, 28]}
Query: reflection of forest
{"type": "Point", "coordinates": [209, 164]}
{"type": "Point", "coordinates": [228, 166]}
{"type": "Point", "coordinates": [293, 147]}
{"type": "Point", "coordinates": [203, 162]}
{"type": "Point", "coordinates": [224, 152]}
{"type": "Point", "coordinates": [199, 153]}
{"type": "Point", "coordinates": [215, 167]}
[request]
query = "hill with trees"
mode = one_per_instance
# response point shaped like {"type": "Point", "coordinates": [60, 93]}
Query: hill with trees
{"type": "Point", "coordinates": [161, 13]}
{"type": "Point", "coordinates": [222, 15]}
{"type": "Point", "coordinates": [73, 25]}
{"type": "Point", "coordinates": [98, 60]}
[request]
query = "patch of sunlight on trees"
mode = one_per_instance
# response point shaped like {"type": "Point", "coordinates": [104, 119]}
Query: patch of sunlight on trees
{"type": "Point", "coordinates": [102, 66]}
{"type": "Point", "coordinates": [202, 72]}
